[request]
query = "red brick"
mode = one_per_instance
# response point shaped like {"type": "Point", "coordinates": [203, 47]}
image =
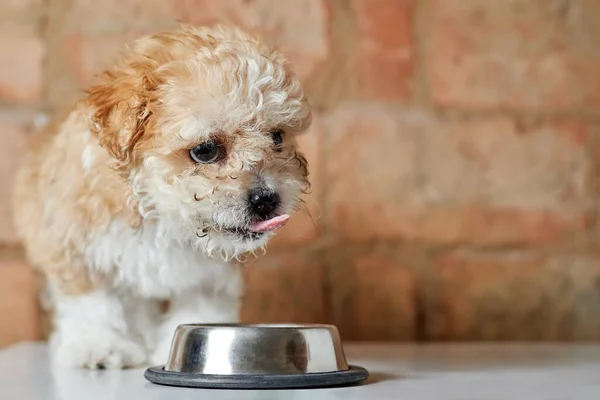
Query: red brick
{"type": "Point", "coordinates": [97, 29]}
{"type": "Point", "coordinates": [16, 8]}
{"type": "Point", "coordinates": [284, 288]}
{"type": "Point", "coordinates": [18, 303]}
{"type": "Point", "coordinates": [300, 28]}
{"type": "Point", "coordinates": [21, 70]}
{"type": "Point", "coordinates": [515, 54]}
{"type": "Point", "coordinates": [305, 225]}
{"type": "Point", "coordinates": [370, 171]}
{"type": "Point", "coordinates": [513, 296]}
{"type": "Point", "coordinates": [114, 16]}
{"type": "Point", "coordinates": [411, 175]}
{"type": "Point", "coordinates": [207, 12]}
{"type": "Point", "coordinates": [373, 298]}
{"type": "Point", "coordinates": [89, 55]}
{"type": "Point", "coordinates": [385, 53]}
{"type": "Point", "coordinates": [14, 127]}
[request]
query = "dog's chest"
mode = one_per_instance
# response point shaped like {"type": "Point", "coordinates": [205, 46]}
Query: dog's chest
{"type": "Point", "coordinates": [144, 261]}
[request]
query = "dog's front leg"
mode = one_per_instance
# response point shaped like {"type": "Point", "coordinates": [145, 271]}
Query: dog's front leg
{"type": "Point", "coordinates": [91, 331]}
{"type": "Point", "coordinates": [196, 306]}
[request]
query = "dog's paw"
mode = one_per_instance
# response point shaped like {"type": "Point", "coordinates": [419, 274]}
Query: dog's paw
{"type": "Point", "coordinates": [99, 352]}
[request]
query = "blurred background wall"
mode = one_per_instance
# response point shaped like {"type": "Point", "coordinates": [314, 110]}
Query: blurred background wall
{"type": "Point", "coordinates": [454, 158]}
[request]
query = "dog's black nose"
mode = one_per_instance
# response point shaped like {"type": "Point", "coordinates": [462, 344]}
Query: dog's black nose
{"type": "Point", "coordinates": [263, 202]}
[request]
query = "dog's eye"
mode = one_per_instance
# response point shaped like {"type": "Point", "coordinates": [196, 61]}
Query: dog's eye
{"type": "Point", "coordinates": [205, 153]}
{"type": "Point", "coordinates": [277, 137]}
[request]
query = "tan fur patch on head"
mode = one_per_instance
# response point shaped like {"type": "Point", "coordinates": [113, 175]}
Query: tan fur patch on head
{"type": "Point", "coordinates": [120, 105]}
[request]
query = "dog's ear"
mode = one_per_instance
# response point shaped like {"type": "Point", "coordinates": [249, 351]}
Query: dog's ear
{"type": "Point", "coordinates": [121, 106]}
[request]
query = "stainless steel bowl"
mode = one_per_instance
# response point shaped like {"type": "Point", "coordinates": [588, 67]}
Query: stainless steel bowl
{"type": "Point", "coordinates": [255, 356]}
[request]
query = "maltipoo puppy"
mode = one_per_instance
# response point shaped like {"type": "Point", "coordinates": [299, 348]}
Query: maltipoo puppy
{"type": "Point", "coordinates": [179, 160]}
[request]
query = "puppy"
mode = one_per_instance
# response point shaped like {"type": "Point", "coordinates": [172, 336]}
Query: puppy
{"type": "Point", "coordinates": [178, 161]}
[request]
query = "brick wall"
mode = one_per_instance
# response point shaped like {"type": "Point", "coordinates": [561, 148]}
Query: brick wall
{"type": "Point", "coordinates": [454, 157]}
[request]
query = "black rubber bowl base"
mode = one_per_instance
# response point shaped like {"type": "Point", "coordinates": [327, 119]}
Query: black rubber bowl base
{"type": "Point", "coordinates": [347, 377]}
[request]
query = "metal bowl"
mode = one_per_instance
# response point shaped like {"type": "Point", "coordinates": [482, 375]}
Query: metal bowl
{"type": "Point", "coordinates": [256, 356]}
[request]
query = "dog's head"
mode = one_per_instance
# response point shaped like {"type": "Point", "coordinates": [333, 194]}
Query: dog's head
{"type": "Point", "coordinates": [201, 122]}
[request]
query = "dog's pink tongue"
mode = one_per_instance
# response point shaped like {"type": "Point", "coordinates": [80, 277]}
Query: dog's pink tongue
{"type": "Point", "coordinates": [270, 224]}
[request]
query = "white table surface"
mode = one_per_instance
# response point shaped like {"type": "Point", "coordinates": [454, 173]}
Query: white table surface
{"type": "Point", "coordinates": [415, 372]}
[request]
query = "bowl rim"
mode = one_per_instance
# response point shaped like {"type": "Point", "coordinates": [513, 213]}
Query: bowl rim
{"type": "Point", "coordinates": [268, 326]}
